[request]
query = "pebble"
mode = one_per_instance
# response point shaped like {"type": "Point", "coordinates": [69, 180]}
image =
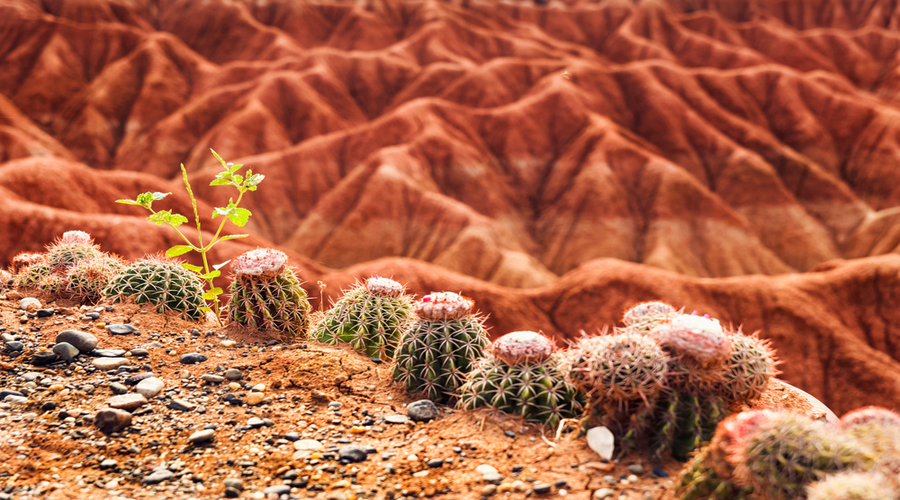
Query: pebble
{"type": "Point", "coordinates": [485, 469]}
{"type": "Point", "coordinates": [492, 477]}
{"type": "Point", "coordinates": [192, 358]}
{"type": "Point", "coordinates": [181, 405]}
{"type": "Point", "coordinates": [396, 419]}
{"type": "Point", "coordinates": [509, 434]}
{"type": "Point", "coordinates": [118, 388]}
{"type": "Point", "coordinates": [435, 462]}
{"type": "Point", "coordinates": [604, 493]}
{"type": "Point", "coordinates": [15, 345]}
{"type": "Point", "coordinates": [128, 402]}
{"type": "Point", "coordinates": [150, 387]}
{"type": "Point", "coordinates": [660, 472]}
{"type": "Point", "coordinates": [120, 329]}
{"type": "Point", "coordinates": [278, 489]}
{"type": "Point", "coordinates": [43, 358]}
{"type": "Point", "coordinates": [352, 453]}
{"type": "Point", "coordinates": [135, 379]}
{"type": "Point", "coordinates": [203, 436]}
{"type": "Point", "coordinates": [308, 445]}
{"type": "Point", "coordinates": [489, 490]}
{"type": "Point", "coordinates": [65, 351]}
{"type": "Point", "coordinates": [7, 392]}
{"type": "Point", "coordinates": [45, 313]}
{"type": "Point", "coordinates": [139, 353]}
{"type": "Point", "coordinates": [542, 488]}
{"type": "Point", "coordinates": [234, 483]}
{"type": "Point", "coordinates": [110, 420]}
{"type": "Point", "coordinates": [212, 379]}
{"type": "Point", "coordinates": [29, 304]}
{"type": "Point", "coordinates": [255, 422]}
{"type": "Point", "coordinates": [106, 364]}
{"type": "Point", "coordinates": [83, 341]}
{"type": "Point", "coordinates": [159, 475]}
{"type": "Point", "coordinates": [421, 473]}
{"type": "Point", "coordinates": [422, 411]}
{"type": "Point", "coordinates": [107, 353]}
{"type": "Point", "coordinates": [255, 398]}
{"type": "Point", "coordinates": [636, 469]}
{"type": "Point", "coordinates": [16, 400]}
{"type": "Point", "coordinates": [233, 374]}
{"type": "Point", "coordinates": [227, 343]}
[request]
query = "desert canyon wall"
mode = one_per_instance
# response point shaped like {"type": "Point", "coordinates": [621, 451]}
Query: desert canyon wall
{"type": "Point", "coordinates": [557, 162]}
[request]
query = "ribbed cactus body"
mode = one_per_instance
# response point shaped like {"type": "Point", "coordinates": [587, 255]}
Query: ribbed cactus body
{"type": "Point", "coordinates": [522, 376]}
{"type": "Point", "coordinates": [72, 247]}
{"type": "Point", "coordinates": [161, 282]}
{"type": "Point", "coordinates": [438, 351]}
{"type": "Point", "coordinates": [87, 279]}
{"type": "Point", "coordinates": [699, 480]}
{"type": "Point", "coordinates": [370, 317]}
{"type": "Point", "coordinates": [698, 349]}
{"type": "Point", "coordinates": [266, 295]}
{"type": "Point", "coordinates": [23, 260]}
{"type": "Point", "coordinates": [853, 485]}
{"type": "Point", "coordinates": [787, 453]}
{"type": "Point", "coordinates": [748, 369]}
{"type": "Point", "coordinates": [877, 430]}
{"type": "Point", "coordinates": [643, 317]}
{"type": "Point", "coordinates": [31, 276]}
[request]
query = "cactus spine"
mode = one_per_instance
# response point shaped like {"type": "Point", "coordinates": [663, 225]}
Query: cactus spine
{"type": "Point", "coordinates": [439, 349]}
{"type": "Point", "coordinates": [698, 480]}
{"type": "Point", "coordinates": [266, 295]}
{"type": "Point", "coordinates": [643, 317]}
{"type": "Point", "coordinates": [72, 247]}
{"type": "Point", "coordinates": [748, 369]}
{"type": "Point", "coordinates": [521, 376]}
{"type": "Point", "coordinates": [370, 317]}
{"type": "Point", "coordinates": [86, 279]}
{"type": "Point", "coordinates": [161, 282]}
{"type": "Point", "coordinates": [852, 485]}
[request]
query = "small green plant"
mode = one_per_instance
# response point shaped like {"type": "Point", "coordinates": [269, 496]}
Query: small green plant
{"type": "Point", "coordinates": [238, 216]}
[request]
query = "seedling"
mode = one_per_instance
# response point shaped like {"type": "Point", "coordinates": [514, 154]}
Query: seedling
{"type": "Point", "coordinates": [238, 216]}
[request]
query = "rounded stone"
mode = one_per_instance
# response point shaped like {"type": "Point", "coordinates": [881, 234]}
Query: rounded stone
{"type": "Point", "coordinates": [29, 304]}
{"type": "Point", "coordinates": [44, 358]}
{"type": "Point", "coordinates": [128, 402]}
{"type": "Point", "coordinates": [422, 411]}
{"type": "Point", "coordinates": [150, 387]}
{"type": "Point", "coordinates": [203, 436]}
{"type": "Point", "coordinates": [233, 374]}
{"type": "Point", "coordinates": [308, 445]}
{"type": "Point", "coordinates": [352, 453]}
{"type": "Point", "coordinates": [83, 341]}
{"type": "Point", "coordinates": [120, 329]}
{"type": "Point", "coordinates": [110, 420]}
{"type": "Point", "coordinates": [192, 358]}
{"type": "Point", "coordinates": [255, 398]}
{"type": "Point", "coordinates": [106, 364]}
{"type": "Point", "coordinates": [65, 351]}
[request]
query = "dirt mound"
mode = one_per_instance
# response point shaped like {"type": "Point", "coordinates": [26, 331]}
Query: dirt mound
{"type": "Point", "coordinates": [511, 142]}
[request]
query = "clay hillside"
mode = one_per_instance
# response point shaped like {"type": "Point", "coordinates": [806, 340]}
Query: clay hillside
{"type": "Point", "coordinates": [556, 162]}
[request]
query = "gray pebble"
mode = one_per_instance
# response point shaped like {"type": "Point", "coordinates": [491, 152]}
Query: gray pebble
{"type": "Point", "coordinates": [15, 346]}
{"type": "Point", "coordinates": [212, 379]}
{"type": "Point", "coordinates": [636, 469]}
{"type": "Point", "coordinates": [192, 358]}
{"type": "Point", "coordinates": [110, 420]}
{"type": "Point", "coordinates": [352, 453]}
{"type": "Point", "coordinates": [83, 341]}
{"type": "Point", "coordinates": [278, 489]}
{"type": "Point", "coordinates": [65, 351]}
{"type": "Point", "coordinates": [234, 482]}
{"type": "Point", "coordinates": [120, 329]}
{"type": "Point", "coordinates": [233, 374]}
{"type": "Point", "coordinates": [203, 436]}
{"type": "Point", "coordinates": [118, 388]}
{"type": "Point", "coordinates": [158, 476]}
{"type": "Point", "coordinates": [422, 411]}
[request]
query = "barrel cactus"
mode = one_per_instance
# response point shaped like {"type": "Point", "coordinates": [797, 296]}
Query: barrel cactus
{"type": "Point", "coordinates": [521, 376]}
{"type": "Point", "coordinates": [87, 279]}
{"type": "Point", "coordinates": [72, 247]}
{"type": "Point", "coordinates": [748, 369]}
{"type": "Point", "coordinates": [698, 349]}
{"type": "Point", "coordinates": [32, 275]}
{"type": "Point", "coordinates": [854, 485]}
{"type": "Point", "coordinates": [266, 294]}
{"type": "Point", "coordinates": [643, 317]}
{"type": "Point", "coordinates": [370, 317]}
{"type": "Point", "coordinates": [437, 351]}
{"type": "Point", "coordinates": [698, 480]}
{"type": "Point", "coordinates": [24, 260]}
{"type": "Point", "coordinates": [162, 282]}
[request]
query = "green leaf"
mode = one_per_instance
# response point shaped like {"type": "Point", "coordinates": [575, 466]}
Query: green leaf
{"type": "Point", "coordinates": [238, 179]}
{"type": "Point", "coordinates": [253, 180]}
{"type": "Point", "coordinates": [178, 250]}
{"type": "Point", "coordinates": [145, 199]}
{"type": "Point", "coordinates": [217, 156]}
{"type": "Point", "coordinates": [191, 267]}
{"type": "Point", "coordinates": [167, 217]}
{"type": "Point", "coordinates": [222, 179]}
{"type": "Point", "coordinates": [212, 293]}
{"type": "Point", "coordinates": [220, 266]}
{"type": "Point", "coordinates": [205, 309]}
{"type": "Point", "coordinates": [239, 216]}
{"type": "Point", "coordinates": [128, 202]}
{"type": "Point", "coordinates": [233, 237]}
{"type": "Point", "coordinates": [211, 275]}
{"type": "Point", "coordinates": [224, 211]}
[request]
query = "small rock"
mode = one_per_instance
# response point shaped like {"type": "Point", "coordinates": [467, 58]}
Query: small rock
{"type": "Point", "coordinates": [110, 420]}
{"type": "Point", "coordinates": [16, 400]}
{"type": "Point", "coordinates": [396, 419]}
{"type": "Point", "coordinates": [233, 374]}
{"type": "Point", "coordinates": [234, 482]}
{"type": "Point", "coordinates": [489, 490]}
{"type": "Point", "coordinates": [509, 434]}
{"type": "Point", "coordinates": [135, 379]}
{"type": "Point", "coordinates": [636, 469]}
{"type": "Point", "coordinates": [15, 345]}
{"type": "Point", "coordinates": [181, 405]}
{"type": "Point", "coordinates": [150, 387]}
{"type": "Point", "coordinates": [120, 329]}
{"type": "Point", "coordinates": [422, 411]}
{"type": "Point", "coordinates": [192, 358]}
{"type": "Point", "coordinates": [602, 441]}
{"type": "Point", "coordinates": [212, 379]}
{"type": "Point", "coordinates": [278, 489]}
{"type": "Point", "coordinates": [492, 477]}
{"type": "Point", "coordinates": [107, 364]}
{"type": "Point", "coordinates": [486, 469]}
{"type": "Point", "coordinates": [255, 422]}
{"type": "Point", "coordinates": [158, 476]}
{"type": "Point", "coordinates": [29, 304]}
{"type": "Point", "coordinates": [435, 462]}
{"type": "Point", "coordinates": [42, 358]}
{"type": "Point", "coordinates": [109, 463]}
{"type": "Point", "coordinates": [660, 472]}
{"type": "Point", "coordinates": [127, 402]}
{"type": "Point", "coordinates": [139, 353]}
{"type": "Point", "coordinates": [421, 473]}
{"type": "Point", "coordinates": [107, 353]}
{"type": "Point", "coordinates": [542, 488]}
{"type": "Point", "coordinates": [352, 453]}
{"type": "Point", "coordinates": [65, 351]}
{"type": "Point", "coordinates": [203, 436]}
{"type": "Point", "coordinates": [45, 313]}
{"type": "Point", "coordinates": [308, 445]}
{"type": "Point", "coordinates": [255, 398]}
{"type": "Point", "coordinates": [118, 388]}
{"type": "Point", "coordinates": [604, 493]}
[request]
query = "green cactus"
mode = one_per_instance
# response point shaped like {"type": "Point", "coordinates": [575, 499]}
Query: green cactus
{"type": "Point", "coordinates": [266, 295]}
{"type": "Point", "coordinates": [86, 279]}
{"type": "Point", "coordinates": [522, 376]}
{"type": "Point", "coordinates": [72, 247]}
{"type": "Point", "coordinates": [788, 452]}
{"type": "Point", "coordinates": [370, 317]}
{"type": "Point", "coordinates": [877, 430]}
{"type": "Point", "coordinates": [437, 352]}
{"type": "Point", "coordinates": [23, 260]}
{"type": "Point", "coordinates": [32, 275]}
{"type": "Point", "coordinates": [748, 369]}
{"type": "Point", "coordinates": [698, 480]}
{"type": "Point", "coordinates": [161, 282]}
{"type": "Point", "coordinates": [853, 485]}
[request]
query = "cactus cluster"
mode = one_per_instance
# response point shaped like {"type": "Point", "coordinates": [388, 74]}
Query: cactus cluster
{"type": "Point", "coordinates": [72, 247]}
{"type": "Point", "coordinates": [266, 295]}
{"type": "Point", "coordinates": [162, 282]}
{"type": "Point", "coordinates": [521, 375]}
{"type": "Point", "coordinates": [437, 352]}
{"type": "Point", "coordinates": [370, 317]}
{"type": "Point", "coordinates": [665, 380]}
{"type": "Point", "coordinates": [86, 280]}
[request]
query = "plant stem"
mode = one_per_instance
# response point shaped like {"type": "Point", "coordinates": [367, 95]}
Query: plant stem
{"type": "Point", "coordinates": [203, 249]}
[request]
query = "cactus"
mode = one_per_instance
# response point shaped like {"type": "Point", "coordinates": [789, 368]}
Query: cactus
{"type": "Point", "coordinates": [266, 295]}
{"type": "Point", "coordinates": [698, 480]}
{"type": "Point", "coordinates": [698, 349]}
{"type": "Point", "coordinates": [748, 369]}
{"type": "Point", "coordinates": [643, 317]}
{"type": "Point", "coordinates": [33, 275]}
{"type": "Point", "coordinates": [72, 247]}
{"type": "Point", "coordinates": [370, 317]}
{"type": "Point", "coordinates": [435, 353]}
{"type": "Point", "coordinates": [23, 260]}
{"type": "Point", "coordinates": [878, 431]}
{"type": "Point", "coordinates": [780, 456]}
{"type": "Point", "coordinates": [521, 376]}
{"type": "Point", "coordinates": [853, 485]}
{"type": "Point", "coordinates": [161, 282]}
{"type": "Point", "coordinates": [86, 279]}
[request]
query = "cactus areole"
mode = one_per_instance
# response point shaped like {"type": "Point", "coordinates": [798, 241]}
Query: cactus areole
{"type": "Point", "coordinates": [444, 306]}
{"type": "Point", "coordinates": [523, 347]}
{"type": "Point", "coordinates": [262, 262]}
{"type": "Point", "coordinates": [383, 287]}
{"type": "Point", "coordinates": [76, 237]}
{"type": "Point", "coordinates": [697, 337]}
